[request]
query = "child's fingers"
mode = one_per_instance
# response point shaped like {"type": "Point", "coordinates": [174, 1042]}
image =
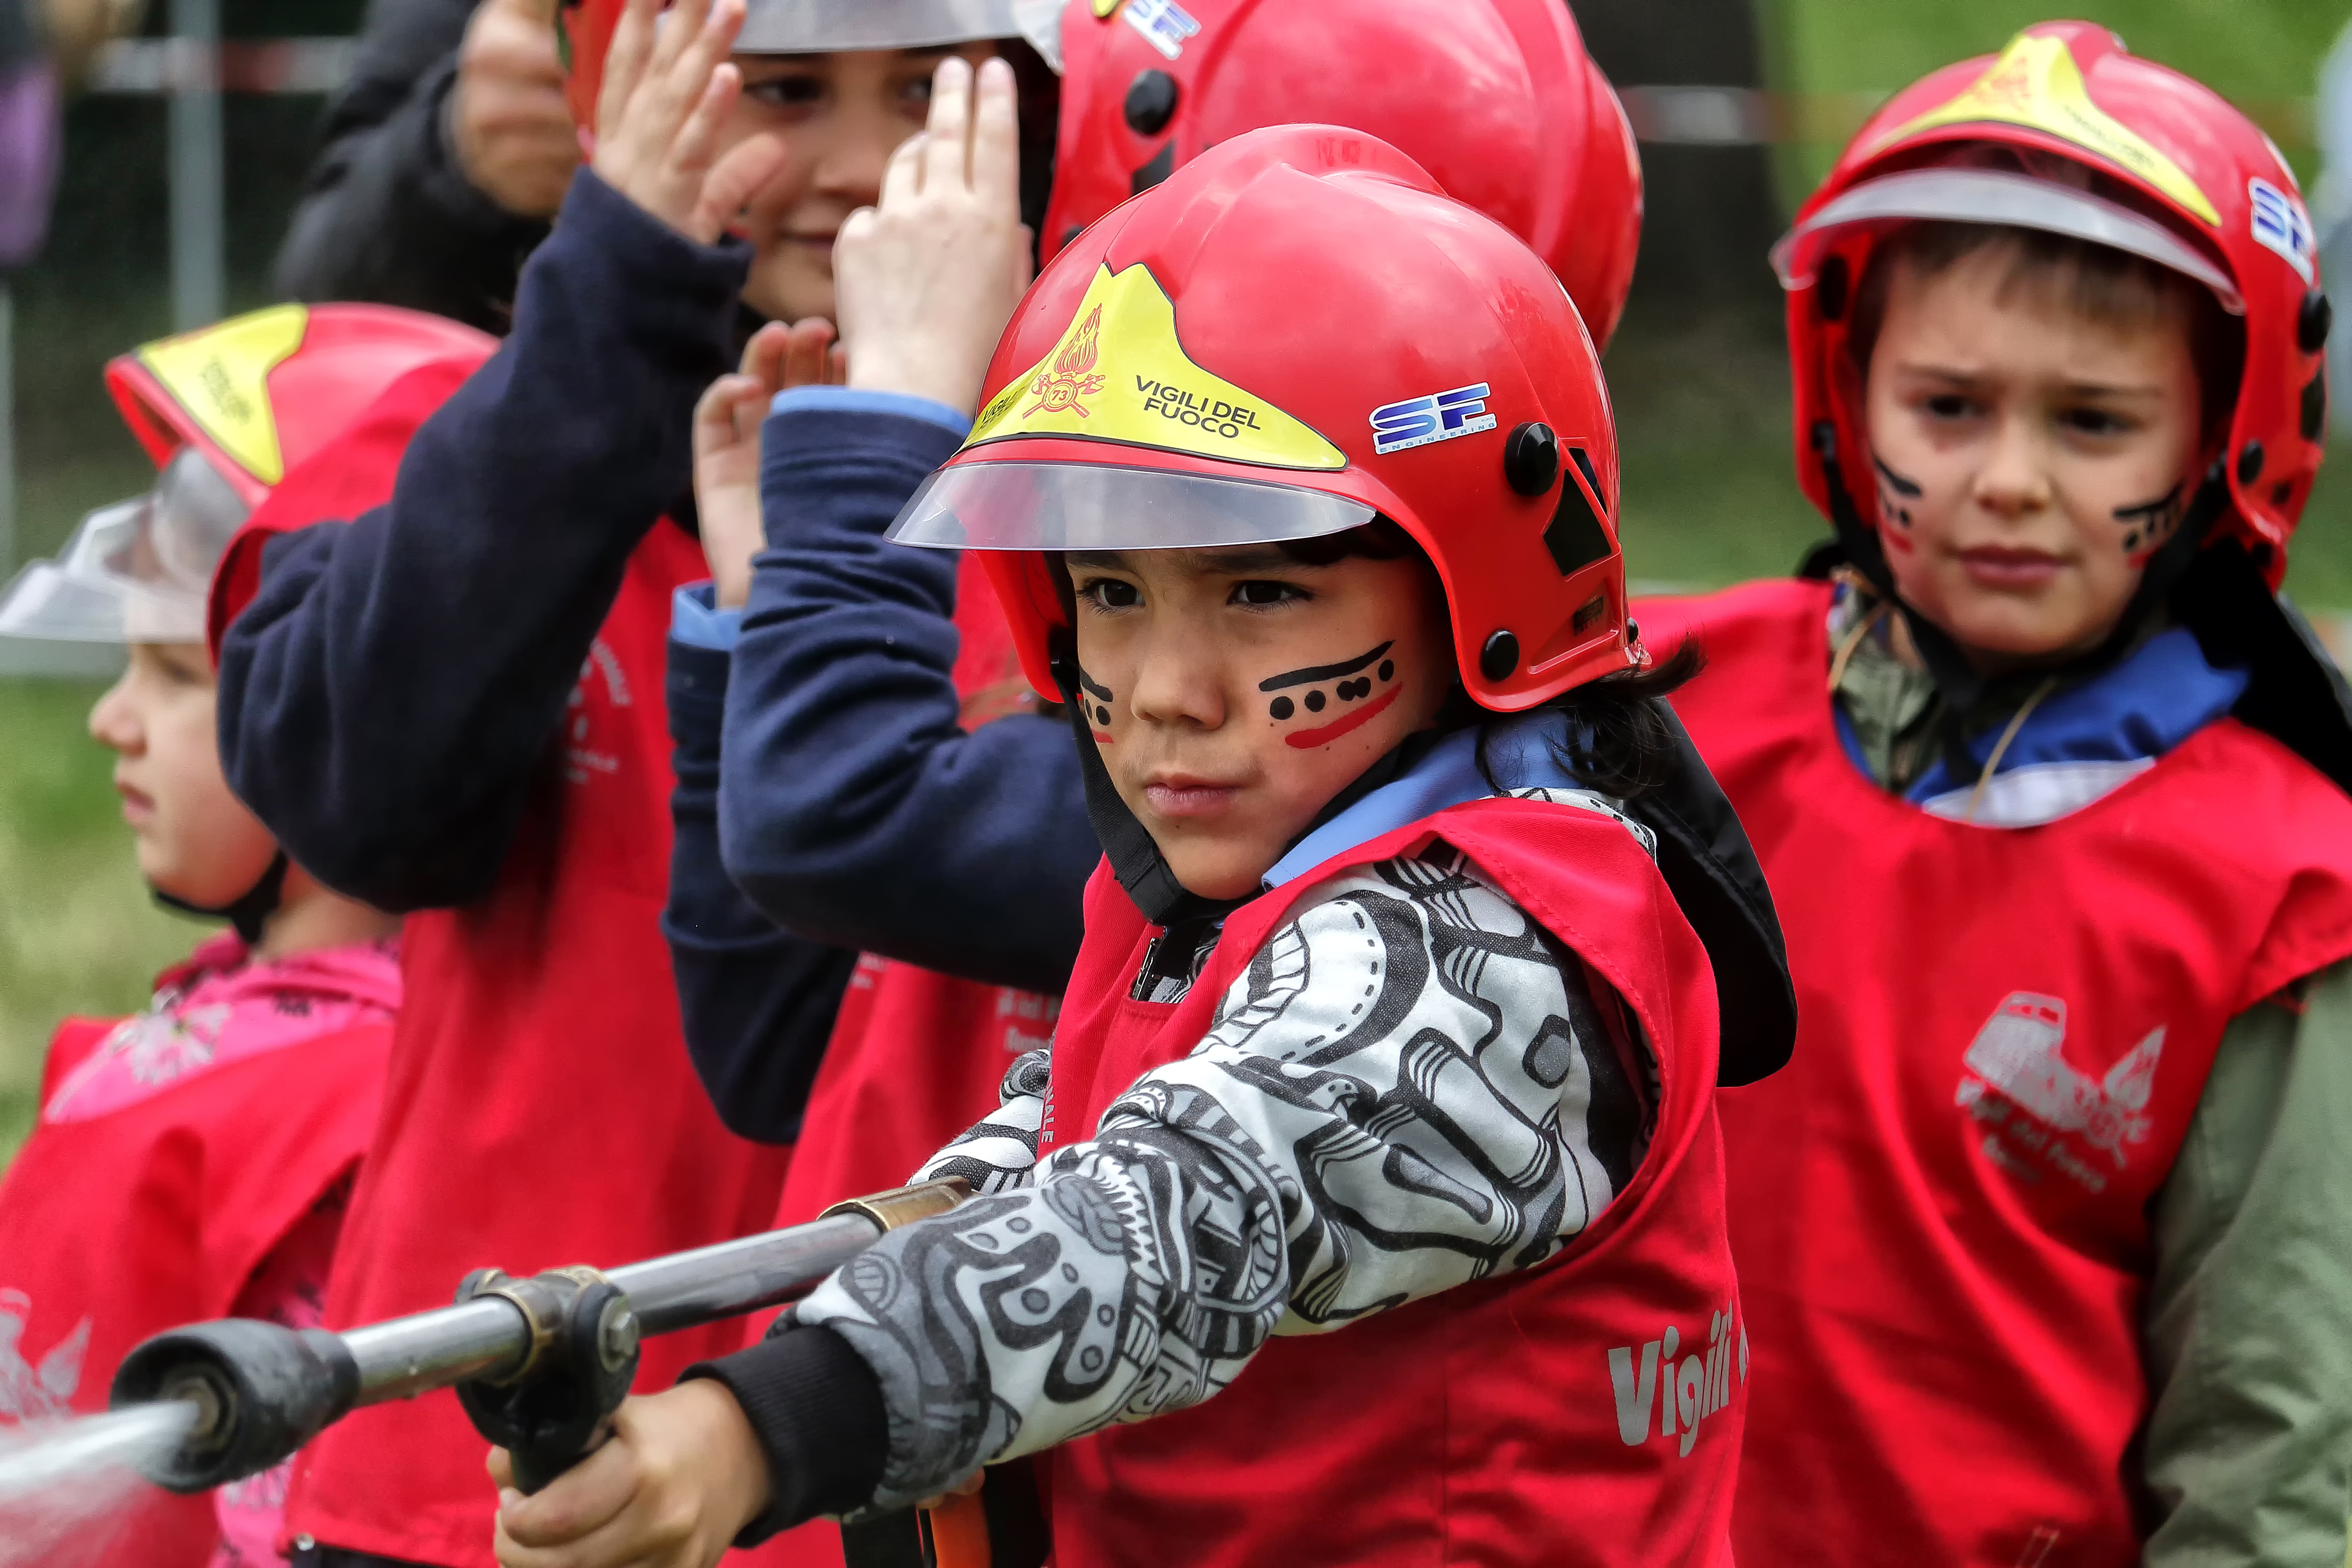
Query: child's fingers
{"type": "Point", "coordinates": [946, 133]}
{"type": "Point", "coordinates": [806, 348]}
{"type": "Point", "coordinates": [836, 366]}
{"type": "Point", "coordinates": [740, 172]}
{"type": "Point", "coordinates": [580, 1502]}
{"type": "Point", "coordinates": [765, 348]}
{"type": "Point", "coordinates": [625, 63]}
{"type": "Point", "coordinates": [996, 138]}
{"type": "Point", "coordinates": [501, 1464]}
{"type": "Point", "coordinates": [902, 178]}
{"type": "Point", "coordinates": [705, 43]}
{"type": "Point", "coordinates": [695, 143]}
{"type": "Point", "coordinates": [715, 422]}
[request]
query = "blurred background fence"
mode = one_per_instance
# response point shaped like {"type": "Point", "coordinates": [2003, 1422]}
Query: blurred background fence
{"type": "Point", "coordinates": [1740, 107]}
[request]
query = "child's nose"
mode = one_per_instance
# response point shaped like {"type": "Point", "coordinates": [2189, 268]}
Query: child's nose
{"type": "Point", "coordinates": [2015, 477]}
{"type": "Point", "coordinates": [1176, 684]}
{"type": "Point", "coordinates": [114, 720]}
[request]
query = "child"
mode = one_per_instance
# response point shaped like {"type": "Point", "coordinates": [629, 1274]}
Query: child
{"type": "Point", "coordinates": [1379, 1121]}
{"type": "Point", "coordinates": [2044, 1234]}
{"type": "Point", "coordinates": [866, 806]}
{"type": "Point", "coordinates": [450, 705]}
{"type": "Point", "coordinates": [195, 1161]}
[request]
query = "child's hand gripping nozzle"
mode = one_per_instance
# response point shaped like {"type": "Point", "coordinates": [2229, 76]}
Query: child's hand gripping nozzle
{"type": "Point", "coordinates": [540, 1364]}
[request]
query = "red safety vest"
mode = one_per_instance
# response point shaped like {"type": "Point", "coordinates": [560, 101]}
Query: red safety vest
{"type": "Point", "coordinates": [1941, 1207]}
{"type": "Point", "coordinates": [157, 1209]}
{"type": "Point", "coordinates": [541, 1109]}
{"type": "Point", "coordinates": [916, 1056]}
{"type": "Point", "coordinates": [1528, 1420]}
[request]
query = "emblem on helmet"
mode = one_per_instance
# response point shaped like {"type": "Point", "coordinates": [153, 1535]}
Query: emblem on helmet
{"type": "Point", "coordinates": [1059, 389]}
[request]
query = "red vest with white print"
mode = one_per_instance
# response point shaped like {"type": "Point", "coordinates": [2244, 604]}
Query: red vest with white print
{"type": "Point", "coordinates": [175, 1150]}
{"type": "Point", "coordinates": [1586, 1411]}
{"type": "Point", "coordinates": [1940, 1206]}
{"type": "Point", "coordinates": [916, 1056]}
{"type": "Point", "coordinates": [540, 1109]}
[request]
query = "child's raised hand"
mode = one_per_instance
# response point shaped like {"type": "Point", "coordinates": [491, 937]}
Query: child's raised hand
{"type": "Point", "coordinates": [925, 282]}
{"type": "Point", "coordinates": [680, 1478]}
{"type": "Point", "coordinates": [726, 443]}
{"type": "Point", "coordinates": [667, 96]}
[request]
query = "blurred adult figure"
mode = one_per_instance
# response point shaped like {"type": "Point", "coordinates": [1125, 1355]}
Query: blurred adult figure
{"type": "Point", "coordinates": [444, 159]}
{"type": "Point", "coordinates": [28, 133]}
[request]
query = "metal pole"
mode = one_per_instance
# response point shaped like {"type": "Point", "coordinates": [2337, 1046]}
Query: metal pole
{"type": "Point", "coordinates": [7, 427]}
{"type": "Point", "coordinates": [198, 290]}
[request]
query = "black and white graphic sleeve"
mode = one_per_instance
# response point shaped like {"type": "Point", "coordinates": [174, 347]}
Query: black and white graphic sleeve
{"type": "Point", "coordinates": [1001, 1151]}
{"type": "Point", "coordinates": [1411, 1086]}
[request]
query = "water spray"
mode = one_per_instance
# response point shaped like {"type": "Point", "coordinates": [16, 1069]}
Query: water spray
{"type": "Point", "coordinates": [540, 1364]}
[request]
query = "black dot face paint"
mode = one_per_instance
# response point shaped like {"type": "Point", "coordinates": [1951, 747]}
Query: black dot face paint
{"type": "Point", "coordinates": [1894, 491]}
{"type": "Point", "coordinates": [1097, 700]}
{"type": "Point", "coordinates": [2151, 523]}
{"type": "Point", "coordinates": [1350, 684]}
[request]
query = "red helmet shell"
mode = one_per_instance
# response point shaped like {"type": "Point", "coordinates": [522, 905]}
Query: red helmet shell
{"type": "Point", "coordinates": [2157, 141]}
{"type": "Point", "coordinates": [1416, 299]}
{"type": "Point", "coordinates": [584, 37]}
{"type": "Point", "coordinates": [1501, 104]}
{"type": "Point", "coordinates": [259, 394]}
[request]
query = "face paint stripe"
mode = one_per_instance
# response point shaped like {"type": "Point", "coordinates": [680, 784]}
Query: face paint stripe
{"type": "Point", "coordinates": [1907, 488]}
{"type": "Point", "coordinates": [1323, 672]}
{"type": "Point", "coordinates": [1304, 738]}
{"type": "Point", "coordinates": [1086, 683]}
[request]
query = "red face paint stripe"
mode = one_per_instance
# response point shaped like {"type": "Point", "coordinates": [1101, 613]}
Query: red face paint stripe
{"type": "Point", "coordinates": [1101, 739]}
{"type": "Point", "coordinates": [1330, 732]}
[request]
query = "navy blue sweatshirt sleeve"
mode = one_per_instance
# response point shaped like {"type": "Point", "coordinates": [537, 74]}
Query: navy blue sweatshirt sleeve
{"type": "Point", "coordinates": [758, 1003]}
{"type": "Point", "coordinates": [852, 807]}
{"type": "Point", "coordinates": [388, 695]}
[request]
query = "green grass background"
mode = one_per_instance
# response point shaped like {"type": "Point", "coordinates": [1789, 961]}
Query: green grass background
{"type": "Point", "coordinates": [1702, 408]}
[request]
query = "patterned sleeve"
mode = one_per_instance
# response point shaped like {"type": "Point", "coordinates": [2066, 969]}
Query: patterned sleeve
{"type": "Point", "coordinates": [1409, 1087]}
{"type": "Point", "coordinates": [1001, 1150]}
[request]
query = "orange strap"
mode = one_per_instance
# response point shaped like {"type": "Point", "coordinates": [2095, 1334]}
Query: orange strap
{"type": "Point", "coordinates": [958, 1533]}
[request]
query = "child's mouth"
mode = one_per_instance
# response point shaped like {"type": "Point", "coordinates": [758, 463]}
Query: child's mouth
{"type": "Point", "coordinates": [138, 810]}
{"type": "Point", "coordinates": [1999, 565]}
{"type": "Point", "coordinates": [1189, 798]}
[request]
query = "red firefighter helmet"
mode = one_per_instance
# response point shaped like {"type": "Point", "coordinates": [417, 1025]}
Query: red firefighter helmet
{"type": "Point", "coordinates": [1163, 387]}
{"type": "Point", "coordinates": [1500, 103]}
{"type": "Point", "coordinates": [2067, 130]}
{"type": "Point", "coordinates": [225, 413]}
{"type": "Point", "coordinates": [584, 31]}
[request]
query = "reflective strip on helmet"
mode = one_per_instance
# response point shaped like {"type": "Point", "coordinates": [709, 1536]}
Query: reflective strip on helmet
{"type": "Point", "coordinates": [829, 26]}
{"type": "Point", "coordinates": [1119, 373]}
{"type": "Point", "coordinates": [1994, 196]}
{"type": "Point", "coordinates": [221, 377]}
{"type": "Point", "coordinates": [1098, 506]}
{"type": "Point", "coordinates": [2036, 83]}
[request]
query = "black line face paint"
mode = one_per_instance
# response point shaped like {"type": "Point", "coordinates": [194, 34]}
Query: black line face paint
{"type": "Point", "coordinates": [1343, 686]}
{"type": "Point", "coordinates": [2151, 523]}
{"type": "Point", "coordinates": [1097, 706]}
{"type": "Point", "coordinates": [1893, 490]}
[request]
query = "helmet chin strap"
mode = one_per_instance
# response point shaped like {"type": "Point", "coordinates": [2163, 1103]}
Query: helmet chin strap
{"type": "Point", "coordinates": [1965, 688]}
{"type": "Point", "coordinates": [247, 912]}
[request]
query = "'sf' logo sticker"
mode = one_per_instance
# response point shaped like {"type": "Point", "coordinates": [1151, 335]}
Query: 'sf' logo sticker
{"type": "Point", "coordinates": [2279, 226]}
{"type": "Point", "coordinates": [1419, 421]}
{"type": "Point", "coordinates": [1165, 25]}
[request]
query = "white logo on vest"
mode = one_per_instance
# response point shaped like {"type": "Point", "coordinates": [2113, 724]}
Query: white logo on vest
{"type": "Point", "coordinates": [2019, 1084]}
{"type": "Point", "coordinates": [1689, 1394]}
{"type": "Point", "coordinates": [29, 1392]}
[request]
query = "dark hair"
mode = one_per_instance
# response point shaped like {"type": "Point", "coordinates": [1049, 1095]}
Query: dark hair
{"type": "Point", "coordinates": [1620, 741]}
{"type": "Point", "coordinates": [2097, 282]}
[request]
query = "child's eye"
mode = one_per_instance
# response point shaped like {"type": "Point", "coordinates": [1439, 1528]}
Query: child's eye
{"type": "Point", "coordinates": [1111, 593]}
{"type": "Point", "coordinates": [1949, 405]}
{"type": "Point", "coordinates": [1259, 592]}
{"type": "Point", "coordinates": [786, 92]}
{"type": "Point", "coordinates": [915, 98]}
{"type": "Point", "coordinates": [2096, 422]}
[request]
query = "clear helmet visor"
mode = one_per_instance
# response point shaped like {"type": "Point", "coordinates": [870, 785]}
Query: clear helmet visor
{"type": "Point", "coordinates": [137, 571]}
{"type": "Point", "coordinates": [1973, 195]}
{"type": "Point", "coordinates": [841, 26]}
{"type": "Point", "coordinates": [1018, 506]}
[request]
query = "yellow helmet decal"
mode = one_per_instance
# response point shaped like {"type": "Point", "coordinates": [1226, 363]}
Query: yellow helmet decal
{"type": "Point", "coordinates": [2036, 83]}
{"type": "Point", "coordinates": [221, 376]}
{"type": "Point", "coordinates": [1119, 373]}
